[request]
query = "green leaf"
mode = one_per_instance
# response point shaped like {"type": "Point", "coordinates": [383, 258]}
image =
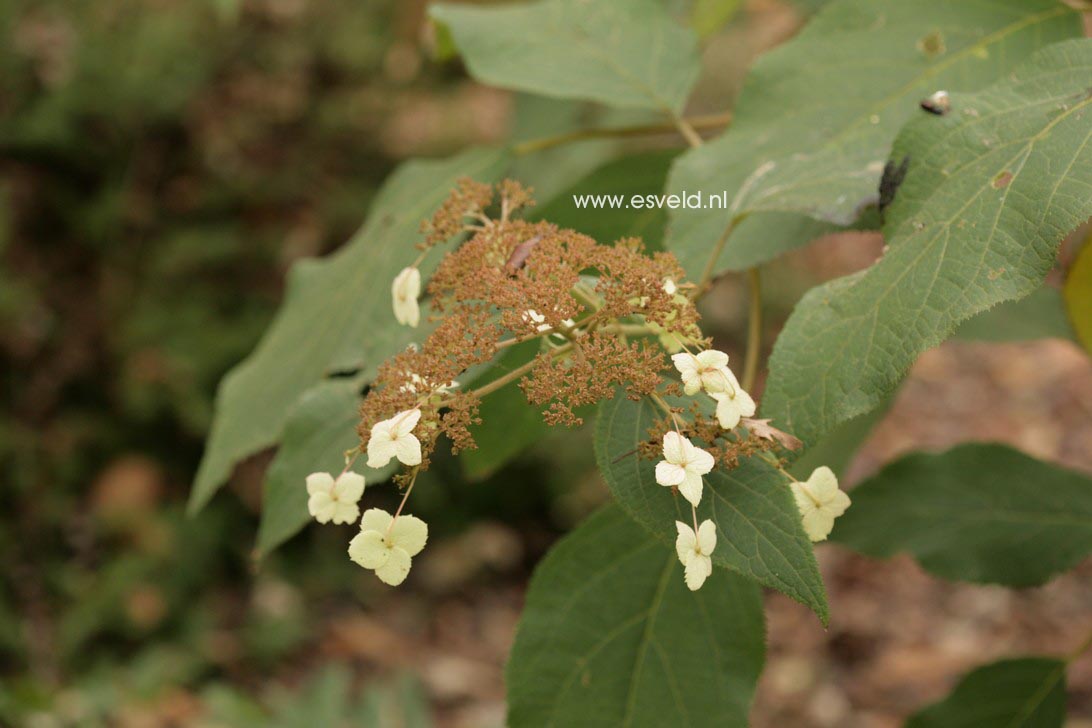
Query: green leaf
{"type": "Point", "coordinates": [336, 316]}
{"type": "Point", "coordinates": [992, 189]}
{"type": "Point", "coordinates": [636, 174]}
{"type": "Point", "coordinates": [627, 53]}
{"type": "Point", "coordinates": [611, 636]}
{"type": "Point", "coordinates": [320, 428]}
{"type": "Point", "coordinates": [981, 513]}
{"type": "Point", "coordinates": [816, 117]}
{"type": "Point", "coordinates": [764, 236]}
{"type": "Point", "coordinates": [1020, 693]}
{"type": "Point", "coordinates": [759, 531]}
{"type": "Point", "coordinates": [709, 16]}
{"type": "Point", "coordinates": [837, 448]}
{"type": "Point", "coordinates": [1041, 315]}
{"type": "Point", "coordinates": [1078, 294]}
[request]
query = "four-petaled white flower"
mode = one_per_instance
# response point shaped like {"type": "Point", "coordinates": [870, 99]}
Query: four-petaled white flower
{"type": "Point", "coordinates": [334, 500]}
{"type": "Point", "coordinates": [683, 465]}
{"type": "Point", "coordinates": [533, 316]}
{"type": "Point", "coordinates": [820, 502]}
{"type": "Point", "coordinates": [694, 550]}
{"type": "Point", "coordinates": [387, 545]}
{"type": "Point", "coordinates": [394, 438]}
{"type": "Point", "coordinates": [733, 403]}
{"type": "Point", "coordinates": [404, 292]}
{"type": "Point", "coordinates": [707, 370]}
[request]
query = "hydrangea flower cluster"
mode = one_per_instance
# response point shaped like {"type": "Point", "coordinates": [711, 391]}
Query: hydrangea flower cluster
{"type": "Point", "coordinates": [604, 317]}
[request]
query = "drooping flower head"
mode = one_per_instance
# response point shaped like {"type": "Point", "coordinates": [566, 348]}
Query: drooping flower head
{"type": "Point", "coordinates": [404, 292]}
{"type": "Point", "coordinates": [334, 501]}
{"type": "Point", "coordinates": [694, 550]}
{"type": "Point", "coordinates": [388, 545]}
{"type": "Point", "coordinates": [683, 465]}
{"type": "Point", "coordinates": [820, 502]}
{"type": "Point", "coordinates": [394, 438]}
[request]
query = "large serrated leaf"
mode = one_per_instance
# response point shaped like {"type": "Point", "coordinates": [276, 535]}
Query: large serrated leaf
{"type": "Point", "coordinates": [336, 316]}
{"type": "Point", "coordinates": [817, 116]}
{"type": "Point", "coordinates": [1027, 692]}
{"type": "Point", "coordinates": [611, 636]}
{"type": "Point", "coordinates": [993, 188]}
{"type": "Point", "coordinates": [981, 513]}
{"type": "Point", "coordinates": [759, 531]}
{"type": "Point", "coordinates": [626, 53]}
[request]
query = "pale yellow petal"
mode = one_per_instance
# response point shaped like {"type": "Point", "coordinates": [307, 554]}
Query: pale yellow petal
{"type": "Point", "coordinates": [697, 571]}
{"type": "Point", "coordinates": [691, 488]}
{"type": "Point", "coordinates": [345, 512]}
{"type": "Point", "coordinates": [321, 506]}
{"type": "Point", "coordinates": [698, 461]}
{"type": "Point", "coordinates": [319, 483]}
{"type": "Point", "coordinates": [349, 487]}
{"type": "Point", "coordinates": [409, 533]}
{"type": "Point", "coordinates": [381, 447]}
{"type": "Point", "coordinates": [712, 359]}
{"type": "Point", "coordinates": [823, 483]}
{"type": "Point", "coordinates": [669, 473]}
{"type": "Point", "coordinates": [684, 542]}
{"type": "Point", "coordinates": [396, 568]}
{"type": "Point", "coordinates": [369, 549]}
{"type": "Point", "coordinates": [375, 519]}
{"type": "Point", "coordinates": [707, 537]}
{"type": "Point", "coordinates": [408, 450]}
{"type": "Point", "coordinates": [674, 448]}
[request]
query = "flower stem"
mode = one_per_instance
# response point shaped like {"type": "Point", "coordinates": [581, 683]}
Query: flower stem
{"type": "Point", "coordinates": [687, 127]}
{"type": "Point", "coordinates": [754, 330]}
{"type": "Point", "coordinates": [409, 489]}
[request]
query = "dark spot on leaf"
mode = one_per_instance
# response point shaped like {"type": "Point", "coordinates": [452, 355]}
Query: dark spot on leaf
{"type": "Point", "coordinates": [893, 176]}
{"type": "Point", "coordinates": [1002, 180]}
{"type": "Point", "coordinates": [932, 44]}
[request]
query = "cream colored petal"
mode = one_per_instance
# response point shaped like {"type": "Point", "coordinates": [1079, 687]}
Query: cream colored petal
{"type": "Point", "coordinates": [409, 533]}
{"type": "Point", "coordinates": [804, 502]}
{"type": "Point", "coordinates": [818, 524]}
{"type": "Point", "coordinates": [321, 506]}
{"type": "Point", "coordinates": [319, 483]}
{"type": "Point", "coordinates": [684, 542]}
{"type": "Point", "coordinates": [823, 483]}
{"type": "Point", "coordinates": [396, 569]}
{"type": "Point", "coordinates": [691, 488]}
{"type": "Point", "coordinates": [408, 450]}
{"type": "Point", "coordinates": [838, 504]}
{"type": "Point", "coordinates": [697, 571]}
{"type": "Point", "coordinates": [369, 549]}
{"type": "Point", "coordinates": [674, 446]}
{"type": "Point", "coordinates": [707, 537]}
{"type": "Point", "coordinates": [745, 403]}
{"type": "Point", "coordinates": [715, 381]}
{"type": "Point", "coordinates": [403, 423]}
{"type": "Point", "coordinates": [349, 487]}
{"type": "Point", "coordinates": [669, 473]}
{"type": "Point", "coordinates": [381, 448]}
{"type": "Point", "coordinates": [728, 413]}
{"type": "Point", "coordinates": [345, 512]}
{"type": "Point", "coordinates": [712, 359]}
{"type": "Point", "coordinates": [685, 363]}
{"type": "Point", "coordinates": [375, 519]}
{"type": "Point", "coordinates": [698, 461]}
{"type": "Point", "coordinates": [691, 384]}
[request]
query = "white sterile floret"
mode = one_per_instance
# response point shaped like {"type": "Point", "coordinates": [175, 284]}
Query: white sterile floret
{"type": "Point", "coordinates": [387, 545]}
{"type": "Point", "coordinates": [707, 370]}
{"type": "Point", "coordinates": [733, 403]}
{"type": "Point", "coordinates": [694, 550]}
{"type": "Point", "coordinates": [394, 438]}
{"type": "Point", "coordinates": [820, 502]}
{"type": "Point", "coordinates": [683, 465]}
{"type": "Point", "coordinates": [669, 287]}
{"type": "Point", "coordinates": [334, 500]}
{"type": "Point", "coordinates": [533, 316]}
{"type": "Point", "coordinates": [404, 292]}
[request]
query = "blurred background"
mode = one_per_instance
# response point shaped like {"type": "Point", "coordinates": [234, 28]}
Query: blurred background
{"type": "Point", "coordinates": [162, 164]}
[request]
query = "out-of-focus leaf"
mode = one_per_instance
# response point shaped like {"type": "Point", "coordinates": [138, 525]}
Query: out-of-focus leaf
{"type": "Point", "coordinates": [709, 16]}
{"type": "Point", "coordinates": [627, 53]}
{"type": "Point", "coordinates": [759, 531]}
{"type": "Point", "coordinates": [981, 513]}
{"type": "Point", "coordinates": [1019, 693]}
{"type": "Point", "coordinates": [319, 430]}
{"type": "Point", "coordinates": [817, 116]}
{"type": "Point", "coordinates": [993, 188]}
{"type": "Point", "coordinates": [1078, 295]}
{"type": "Point", "coordinates": [636, 174]}
{"type": "Point", "coordinates": [611, 636]}
{"type": "Point", "coordinates": [1039, 316]}
{"type": "Point", "coordinates": [336, 316]}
